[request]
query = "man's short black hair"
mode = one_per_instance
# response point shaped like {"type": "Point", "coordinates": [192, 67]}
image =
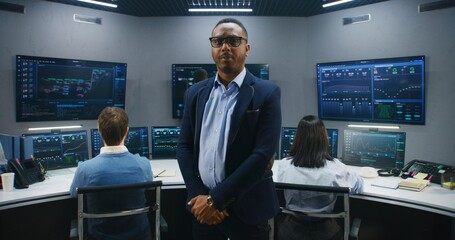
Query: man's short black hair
{"type": "Point", "coordinates": [232, 20]}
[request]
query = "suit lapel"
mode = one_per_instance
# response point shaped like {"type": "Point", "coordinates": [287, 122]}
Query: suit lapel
{"type": "Point", "coordinates": [246, 94]}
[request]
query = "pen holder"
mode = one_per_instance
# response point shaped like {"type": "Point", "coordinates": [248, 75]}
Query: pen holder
{"type": "Point", "coordinates": [448, 179]}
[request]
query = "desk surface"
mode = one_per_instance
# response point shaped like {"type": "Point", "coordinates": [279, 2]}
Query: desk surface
{"type": "Point", "coordinates": [433, 198]}
{"type": "Point", "coordinates": [58, 182]}
{"type": "Point", "coordinates": [56, 186]}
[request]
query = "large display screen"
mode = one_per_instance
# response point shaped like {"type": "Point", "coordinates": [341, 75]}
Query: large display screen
{"type": "Point", "coordinates": [374, 149]}
{"type": "Point", "coordinates": [183, 76]}
{"type": "Point", "coordinates": [389, 90]}
{"type": "Point", "coordinates": [53, 89]}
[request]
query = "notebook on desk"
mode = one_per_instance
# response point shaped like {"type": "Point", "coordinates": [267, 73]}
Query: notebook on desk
{"type": "Point", "coordinates": [385, 183]}
{"type": "Point", "coordinates": [413, 184]}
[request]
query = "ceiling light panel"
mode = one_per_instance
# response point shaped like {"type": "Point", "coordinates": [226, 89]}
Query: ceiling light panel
{"type": "Point", "coordinates": [220, 3]}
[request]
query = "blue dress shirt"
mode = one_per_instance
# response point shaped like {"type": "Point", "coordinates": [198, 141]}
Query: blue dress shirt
{"type": "Point", "coordinates": [215, 128]}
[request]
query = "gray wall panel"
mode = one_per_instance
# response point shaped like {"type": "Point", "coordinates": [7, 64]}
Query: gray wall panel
{"type": "Point", "coordinates": [292, 47]}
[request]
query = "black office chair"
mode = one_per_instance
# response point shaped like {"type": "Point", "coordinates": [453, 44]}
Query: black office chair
{"type": "Point", "coordinates": [119, 196]}
{"type": "Point", "coordinates": [341, 211]}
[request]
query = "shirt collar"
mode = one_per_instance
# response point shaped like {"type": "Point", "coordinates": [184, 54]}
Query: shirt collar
{"type": "Point", "coordinates": [237, 80]}
{"type": "Point", "coordinates": [113, 149]}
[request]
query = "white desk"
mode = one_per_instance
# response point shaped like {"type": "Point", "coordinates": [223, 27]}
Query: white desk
{"type": "Point", "coordinates": [53, 195]}
{"type": "Point", "coordinates": [433, 198]}
{"type": "Point", "coordinates": [58, 182]}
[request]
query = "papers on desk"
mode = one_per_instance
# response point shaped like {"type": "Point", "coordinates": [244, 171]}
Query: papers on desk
{"type": "Point", "coordinates": [163, 172]}
{"type": "Point", "coordinates": [413, 184]}
{"type": "Point", "coordinates": [408, 184]}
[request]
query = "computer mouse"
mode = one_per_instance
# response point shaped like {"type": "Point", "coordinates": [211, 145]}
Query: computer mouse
{"type": "Point", "coordinates": [368, 172]}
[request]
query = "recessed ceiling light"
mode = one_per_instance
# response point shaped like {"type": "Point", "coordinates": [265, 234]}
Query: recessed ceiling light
{"type": "Point", "coordinates": [99, 3]}
{"type": "Point", "coordinates": [220, 10]}
{"type": "Point", "coordinates": [336, 3]}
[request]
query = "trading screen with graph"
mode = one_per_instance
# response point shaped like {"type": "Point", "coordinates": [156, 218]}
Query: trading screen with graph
{"type": "Point", "coordinates": [389, 90]}
{"type": "Point", "coordinates": [374, 149]}
{"type": "Point", "coordinates": [137, 141]}
{"type": "Point", "coordinates": [287, 138]}
{"type": "Point", "coordinates": [164, 142]}
{"type": "Point", "coordinates": [51, 89]}
{"type": "Point", "coordinates": [60, 150]}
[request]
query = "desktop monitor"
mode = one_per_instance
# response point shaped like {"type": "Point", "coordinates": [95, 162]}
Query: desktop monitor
{"type": "Point", "coordinates": [287, 138]}
{"type": "Point", "coordinates": [385, 150]}
{"type": "Point", "coordinates": [13, 147]}
{"type": "Point", "coordinates": [2, 154]}
{"type": "Point", "coordinates": [164, 142]}
{"type": "Point", "coordinates": [54, 89]}
{"type": "Point", "coordinates": [389, 90]}
{"type": "Point", "coordinates": [333, 141]}
{"type": "Point", "coordinates": [137, 141]}
{"type": "Point", "coordinates": [60, 150]}
{"type": "Point", "coordinates": [184, 76]}
{"type": "Point", "coordinates": [7, 143]}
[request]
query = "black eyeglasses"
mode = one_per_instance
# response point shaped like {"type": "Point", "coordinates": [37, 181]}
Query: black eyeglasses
{"type": "Point", "coordinates": [218, 42]}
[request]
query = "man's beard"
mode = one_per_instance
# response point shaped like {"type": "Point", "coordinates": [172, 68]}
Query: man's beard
{"type": "Point", "coordinates": [227, 69]}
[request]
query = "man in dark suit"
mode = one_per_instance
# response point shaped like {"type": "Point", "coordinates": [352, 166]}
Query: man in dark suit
{"type": "Point", "coordinates": [229, 134]}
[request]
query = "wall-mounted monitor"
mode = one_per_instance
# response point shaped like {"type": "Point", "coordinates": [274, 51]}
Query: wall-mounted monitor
{"type": "Point", "coordinates": [389, 90]}
{"type": "Point", "coordinates": [137, 141]}
{"type": "Point", "coordinates": [385, 150]}
{"type": "Point", "coordinates": [287, 138]}
{"type": "Point", "coordinates": [54, 89]}
{"type": "Point", "coordinates": [164, 142]}
{"type": "Point", "coordinates": [60, 150]}
{"type": "Point", "coordinates": [183, 76]}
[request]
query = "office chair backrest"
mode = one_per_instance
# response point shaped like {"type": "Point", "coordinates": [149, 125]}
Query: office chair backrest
{"type": "Point", "coordinates": [339, 191]}
{"type": "Point", "coordinates": [119, 201]}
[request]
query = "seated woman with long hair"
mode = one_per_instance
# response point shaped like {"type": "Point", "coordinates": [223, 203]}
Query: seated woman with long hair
{"type": "Point", "coordinates": [310, 163]}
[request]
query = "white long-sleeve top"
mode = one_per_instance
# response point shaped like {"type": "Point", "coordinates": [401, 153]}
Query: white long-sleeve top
{"type": "Point", "coordinates": [335, 173]}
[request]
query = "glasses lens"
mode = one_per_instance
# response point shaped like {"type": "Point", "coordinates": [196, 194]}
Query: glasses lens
{"type": "Point", "coordinates": [216, 42]}
{"type": "Point", "coordinates": [233, 41]}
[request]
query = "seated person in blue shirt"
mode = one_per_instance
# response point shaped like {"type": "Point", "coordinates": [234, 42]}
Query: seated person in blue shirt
{"type": "Point", "coordinates": [114, 165]}
{"type": "Point", "coordinates": [310, 163]}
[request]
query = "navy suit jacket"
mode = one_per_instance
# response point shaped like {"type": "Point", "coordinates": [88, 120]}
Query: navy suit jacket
{"type": "Point", "coordinates": [248, 190]}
